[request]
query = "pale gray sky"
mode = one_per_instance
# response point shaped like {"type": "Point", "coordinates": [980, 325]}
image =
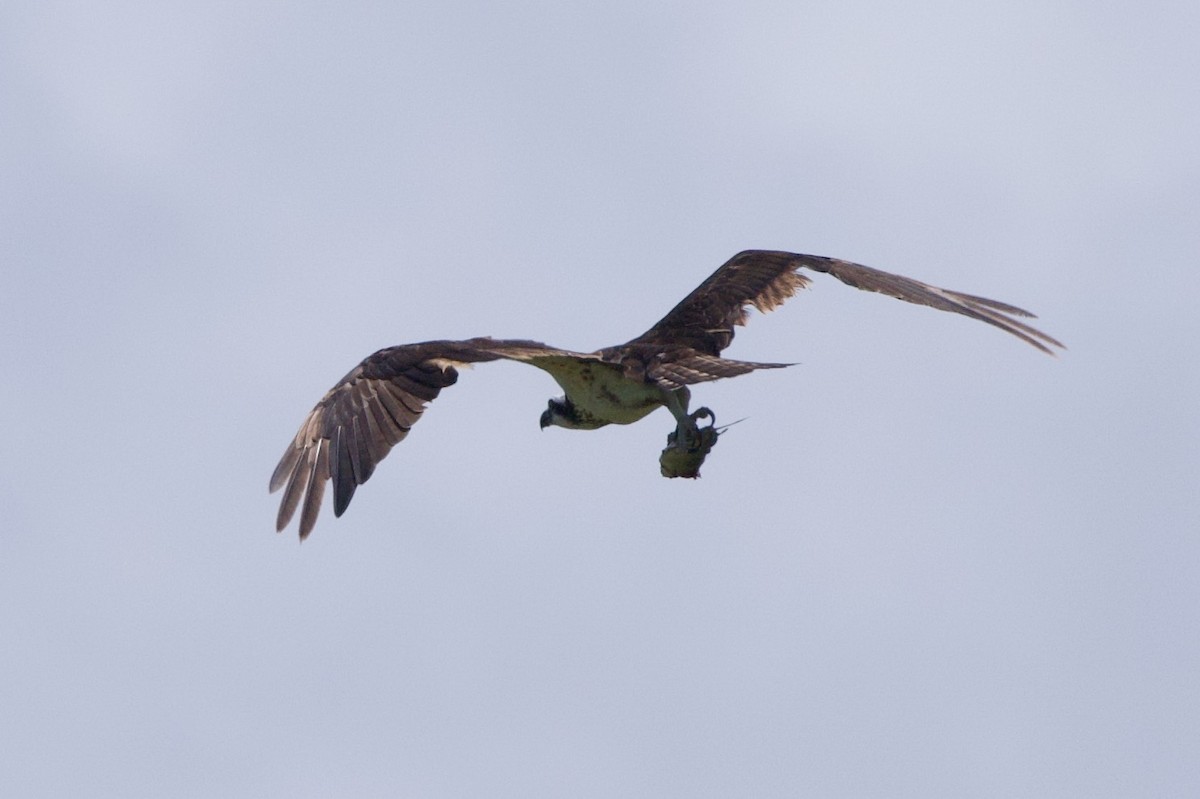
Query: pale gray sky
{"type": "Point", "coordinates": [932, 562]}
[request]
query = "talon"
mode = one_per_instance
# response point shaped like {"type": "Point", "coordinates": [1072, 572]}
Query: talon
{"type": "Point", "coordinates": [686, 435]}
{"type": "Point", "coordinates": [703, 413]}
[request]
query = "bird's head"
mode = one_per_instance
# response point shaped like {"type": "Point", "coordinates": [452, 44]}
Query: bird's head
{"type": "Point", "coordinates": [556, 413]}
{"type": "Point", "coordinates": [561, 412]}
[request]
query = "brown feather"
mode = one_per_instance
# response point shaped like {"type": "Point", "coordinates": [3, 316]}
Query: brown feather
{"type": "Point", "coordinates": [704, 320]}
{"type": "Point", "coordinates": [765, 279]}
{"type": "Point", "coordinates": [369, 411]}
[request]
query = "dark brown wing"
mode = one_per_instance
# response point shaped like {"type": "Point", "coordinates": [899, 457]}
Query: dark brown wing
{"type": "Point", "coordinates": [703, 321]}
{"type": "Point", "coordinates": [370, 410]}
{"type": "Point", "coordinates": [999, 314]}
{"type": "Point", "coordinates": [764, 279]}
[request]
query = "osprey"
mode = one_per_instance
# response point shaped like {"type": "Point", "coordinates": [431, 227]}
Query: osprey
{"type": "Point", "coordinates": [373, 407]}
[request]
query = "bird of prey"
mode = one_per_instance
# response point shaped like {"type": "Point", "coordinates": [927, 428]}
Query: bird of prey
{"type": "Point", "coordinates": [373, 407]}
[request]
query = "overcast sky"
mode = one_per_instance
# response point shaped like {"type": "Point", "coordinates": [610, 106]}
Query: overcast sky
{"type": "Point", "coordinates": [931, 562]}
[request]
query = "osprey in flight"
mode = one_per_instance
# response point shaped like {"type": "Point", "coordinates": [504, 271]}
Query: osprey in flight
{"type": "Point", "coordinates": [373, 407]}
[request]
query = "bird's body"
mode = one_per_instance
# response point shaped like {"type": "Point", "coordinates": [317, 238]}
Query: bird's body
{"type": "Point", "coordinates": [598, 393]}
{"type": "Point", "coordinates": [373, 407]}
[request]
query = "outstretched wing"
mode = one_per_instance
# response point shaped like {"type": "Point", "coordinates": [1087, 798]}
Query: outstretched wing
{"type": "Point", "coordinates": [765, 279]}
{"type": "Point", "coordinates": [703, 321]}
{"type": "Point", "coordinates": [370, 410]}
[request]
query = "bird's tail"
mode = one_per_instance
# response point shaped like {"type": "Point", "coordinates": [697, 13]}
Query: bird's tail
{"type": "Point", "coordinates": [700, 368]}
